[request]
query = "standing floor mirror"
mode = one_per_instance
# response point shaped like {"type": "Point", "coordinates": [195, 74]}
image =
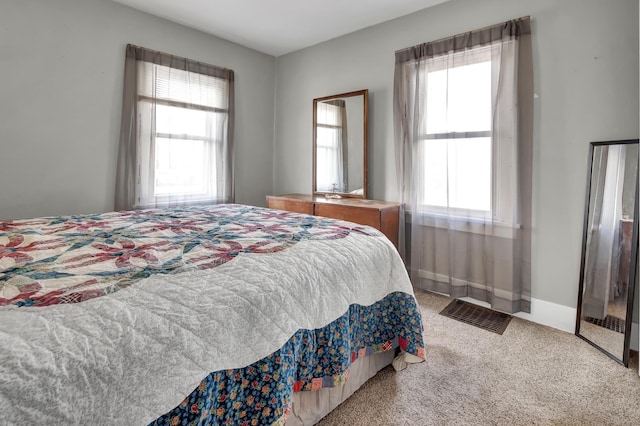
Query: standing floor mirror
{"type": "Point", "coordinates": [609, 248]}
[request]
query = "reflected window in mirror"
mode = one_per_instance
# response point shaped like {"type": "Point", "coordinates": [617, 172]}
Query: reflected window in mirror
{"type": "Point", "coordinates": [609, 254]}
{"type": "Point", "coordinates": [331, 146]}
{"type": "Point", "coordinates": [340, 144]}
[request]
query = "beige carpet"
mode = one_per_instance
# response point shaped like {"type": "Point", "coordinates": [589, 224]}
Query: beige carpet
{"type": "Point", "coordinates": [531, 375]}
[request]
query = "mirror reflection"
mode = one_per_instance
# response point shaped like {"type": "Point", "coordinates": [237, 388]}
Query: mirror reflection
{"type": "Point", "coordinates": [609, 255]}
{"type": "Point", "coordinates": [340, 144]}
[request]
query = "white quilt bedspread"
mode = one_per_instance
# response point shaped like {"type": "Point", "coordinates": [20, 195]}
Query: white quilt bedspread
{"type": "Point", "coordinates": [131, 356]}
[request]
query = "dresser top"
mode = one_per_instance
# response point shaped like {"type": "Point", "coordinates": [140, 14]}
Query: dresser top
{"type": "Point", "coordinates": [319, 199]}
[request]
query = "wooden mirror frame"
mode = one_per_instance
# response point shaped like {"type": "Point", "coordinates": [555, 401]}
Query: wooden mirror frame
{"type": "Point", "coordinates": [365, 94]}
{"type": "Point", "coordinates": [633, 261]}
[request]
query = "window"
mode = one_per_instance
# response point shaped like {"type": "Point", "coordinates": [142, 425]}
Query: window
{"type": "Point", "coordinates": [463, 127]}
{"type": "Point", "coordinates": [182, 116]}
{"type": "Point", "coordinates": [176, 132]}
{"type": "Point", "coordinates": [182, 133]}
{"type": "Point", "coordinates": [461, 168]}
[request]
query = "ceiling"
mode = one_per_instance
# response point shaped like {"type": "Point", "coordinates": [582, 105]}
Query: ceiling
{"type": "Point", "coordinates": [277, 27]}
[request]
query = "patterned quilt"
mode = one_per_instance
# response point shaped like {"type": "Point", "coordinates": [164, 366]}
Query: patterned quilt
{"type": "Point", "coordinates": [237, 307]}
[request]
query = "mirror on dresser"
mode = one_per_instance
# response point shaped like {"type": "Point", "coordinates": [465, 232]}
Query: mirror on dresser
{"type": "Point", "coordinates": [340, 144]}
{"type": "Point", "coordinates": [609, 248]}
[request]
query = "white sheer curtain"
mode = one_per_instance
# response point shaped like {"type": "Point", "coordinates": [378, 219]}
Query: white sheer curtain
{"type": "Point", "coordinates": [463, 122]}
{"type": "Point", "coordinates": [176, 145]}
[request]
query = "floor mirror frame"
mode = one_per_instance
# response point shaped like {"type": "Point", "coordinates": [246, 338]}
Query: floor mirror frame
{"type": "Point", "coordinates": [633, 261]}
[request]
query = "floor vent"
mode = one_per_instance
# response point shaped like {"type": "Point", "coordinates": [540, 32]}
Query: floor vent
{"type": "Point", "coordinates": [479, 316]}
{"type": "Point", "coordinates": [609, 322]}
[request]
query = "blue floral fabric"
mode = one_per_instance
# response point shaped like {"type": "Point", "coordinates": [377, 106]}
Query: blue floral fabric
{"type": "Point", "coordinates": [260, 394]}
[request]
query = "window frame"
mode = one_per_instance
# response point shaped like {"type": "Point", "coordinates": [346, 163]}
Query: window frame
{"type": "Point", "coordinates": [146, 197]}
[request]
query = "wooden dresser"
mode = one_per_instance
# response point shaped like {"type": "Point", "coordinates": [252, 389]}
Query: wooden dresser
{"type": "Point", "coordinates": [382, 215]}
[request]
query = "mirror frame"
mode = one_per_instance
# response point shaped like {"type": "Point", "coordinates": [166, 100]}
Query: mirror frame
{"type": "Point", "coordinates": [365, 183]}
{"type": "Point", "coordinates": [633, 262]}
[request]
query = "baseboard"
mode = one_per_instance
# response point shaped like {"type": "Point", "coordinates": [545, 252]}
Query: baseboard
{"type": "Point", "coordinates": [552, 315]}
{"type": "Point", "coordinates": [557, 316]}
{"type": "Point", "coordinates": [545, 313]}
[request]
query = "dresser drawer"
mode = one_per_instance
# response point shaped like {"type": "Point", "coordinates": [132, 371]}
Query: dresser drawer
{"type": "Point", "coordinates": [362, 216]}
{"type": "Point", "coordinates": [296, 206]}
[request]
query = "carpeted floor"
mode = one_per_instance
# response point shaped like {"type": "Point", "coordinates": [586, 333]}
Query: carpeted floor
{"type": "Point", "coordinates": [530, 375]}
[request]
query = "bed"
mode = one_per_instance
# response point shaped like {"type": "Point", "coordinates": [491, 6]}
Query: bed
{"type": "Point", "coordinates": [225, 314]}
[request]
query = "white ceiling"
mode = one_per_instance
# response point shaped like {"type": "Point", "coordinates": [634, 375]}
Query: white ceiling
{"type": "Point", "coordinates": [277, 27]}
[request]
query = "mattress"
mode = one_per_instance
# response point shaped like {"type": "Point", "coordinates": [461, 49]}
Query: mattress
{"type": "Point", "coordinates": [208, 315]}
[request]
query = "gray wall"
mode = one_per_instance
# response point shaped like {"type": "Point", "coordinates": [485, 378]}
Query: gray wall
{"type": "Point", "coordinates": [586, 80]}
{"type": "Point", "coordinates": [61, 68]}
